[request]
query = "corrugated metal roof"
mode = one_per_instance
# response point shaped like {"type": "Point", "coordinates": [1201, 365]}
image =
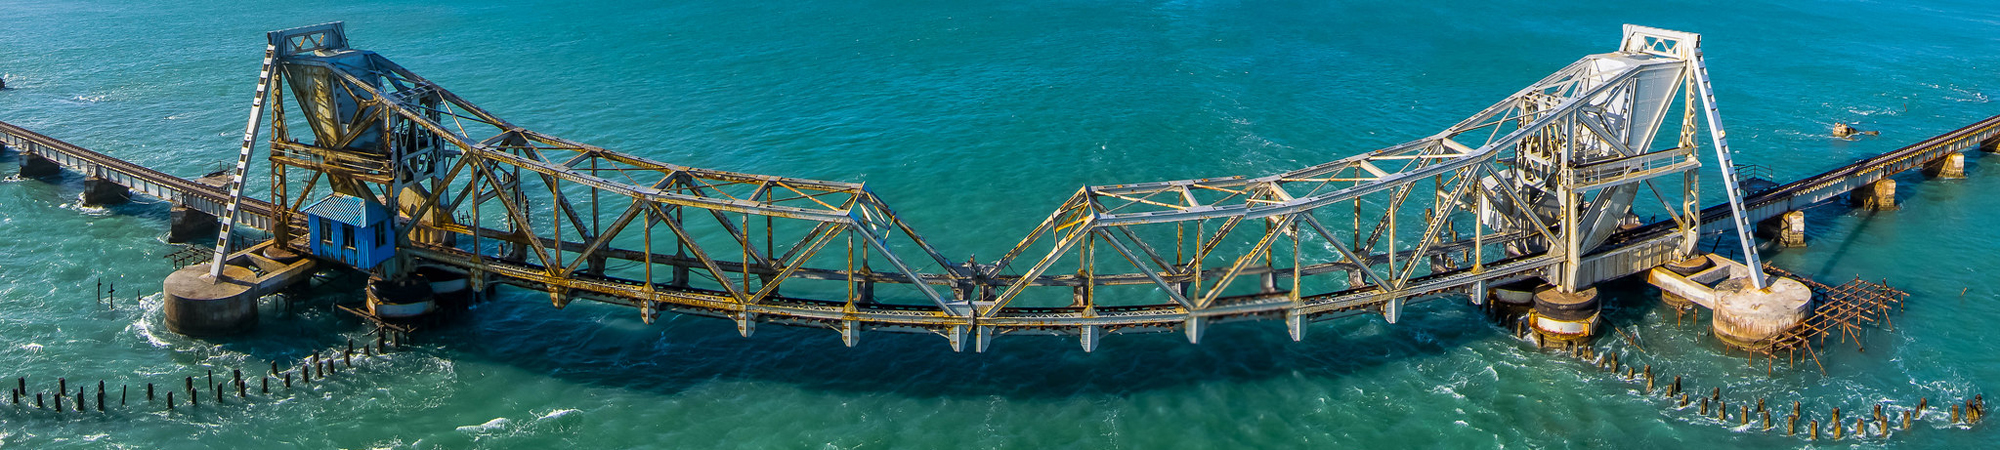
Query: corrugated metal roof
{"type": "Point", "coordinates": [346, 209]}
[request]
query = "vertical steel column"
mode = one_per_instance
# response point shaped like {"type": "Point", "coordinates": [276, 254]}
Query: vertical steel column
{"type": "Point", "coordinates": [243, 162]}
{"type": "Point", "coordinates": [1728, 169]}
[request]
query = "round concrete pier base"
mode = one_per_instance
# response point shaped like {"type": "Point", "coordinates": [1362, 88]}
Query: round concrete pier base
{"type": "Point", "coordinates": [1518, 293]}
{"type": "Point", "coordinates": [280, 254]}
{"type": "Point", "coordinates": [1748, 318]}
{"type": "Point", "coordinates": [1512, 301]}
{"type": "Point", "coordinates": [1690, 266]}
{"type": "Point", "coordinates": [407, 297]}
{"type": "Point", "coordinates": [197, 307]}
{"type": "Point", "coordinates": [1676, 301]}
{"type": "Point", "coordinates": [452, 291]}
{"type": "Point", "coordinates": [1566, 317]}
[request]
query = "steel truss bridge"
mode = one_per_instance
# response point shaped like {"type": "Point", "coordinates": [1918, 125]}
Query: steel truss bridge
{"type": "Point", "coordinates": [1542, 184]}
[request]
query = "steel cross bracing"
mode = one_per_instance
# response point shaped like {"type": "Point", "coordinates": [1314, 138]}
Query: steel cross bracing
{"type": "Point", "coordinates": [1521, 189]}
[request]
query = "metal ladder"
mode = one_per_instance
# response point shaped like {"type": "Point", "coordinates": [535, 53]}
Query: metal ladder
{"type": "Point", "coordinates": [1728, 169]}
{"type": "Point", "coordinates": [243, 162]}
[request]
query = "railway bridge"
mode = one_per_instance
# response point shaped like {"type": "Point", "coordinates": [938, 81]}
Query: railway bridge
{"type": "Point", "coordinates": [375, 168]}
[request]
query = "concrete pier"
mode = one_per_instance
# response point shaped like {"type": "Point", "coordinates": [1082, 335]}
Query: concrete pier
{"type": "Point", "coordinates": [35, 166]}
{"type": "Point", "coordinates": [451, 290]}
{"type": "Point", "coordinates": [1877, 196]}
{"type": "Point", "coordinates": [407, 297]}
{"type": "Point", "coordinates": [1565, 317]}
{"type": "Point", "coordinates": [1950, 167]}
{"type": "Point", "coordinates": [1683, 270]}
{"type": "Point", "coordinates": [1744, 316]}
{"type": "Point", "coordinates": [198, 306]}
{"type": "Point", "coordinates": [188, 224]}
{"type": "Point", "coordinates": [99, 191]}
{"type": "Point", "coordinates": [1513, 300]}
{"type": "Point", "coordinates": [1788, 229]}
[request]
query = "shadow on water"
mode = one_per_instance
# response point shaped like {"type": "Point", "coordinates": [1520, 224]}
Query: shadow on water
{"type": "Point", "coordinates": [601, 345]}
{"type": "Point", "coordinates": [1841, 251]}
{"type": "Point", "coordinates": [1867, 219]}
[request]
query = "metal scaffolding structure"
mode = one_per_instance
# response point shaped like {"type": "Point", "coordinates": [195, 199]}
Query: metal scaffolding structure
{"type": "Point", "coordinates": [1532, 186]}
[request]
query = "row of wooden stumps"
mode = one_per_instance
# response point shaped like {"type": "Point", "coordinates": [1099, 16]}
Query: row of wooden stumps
{"type": "Point", "coordinates": [1714, 405]}
{"type": "Point", "coordinates": [190, 394]}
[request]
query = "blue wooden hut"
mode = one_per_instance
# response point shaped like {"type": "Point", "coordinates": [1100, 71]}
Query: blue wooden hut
{"type": "Point", "coordinates": [351, 230]}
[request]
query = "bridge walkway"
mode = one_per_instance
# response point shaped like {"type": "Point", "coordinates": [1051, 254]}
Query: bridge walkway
{"type": "Point", "coordinates": [180, 191]}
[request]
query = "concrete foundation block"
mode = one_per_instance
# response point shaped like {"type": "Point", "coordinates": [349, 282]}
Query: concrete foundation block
{"type": "Point", "coordinates": [1509, 301]}
{"type": "Point", "coordinates": [196, 306]}
{"type": "Point", "coordinates": [1950, 167]}
{"type": "Point", "coordinates": [99, 191]}
{"type": "Point", "coordinates": [1747, 317]}
{"type": "Point", "coordinates": [1877, 196]}
{"type": "Point", "coordinates": [188, 224]}
{"type": "Point", "coordinates": [35, 166]}
{"type": "Point", "coordinates": [1789, 229]}
{"type": "Point", "coordinates": [1520, 293]}
{"type": "Point", "coordinates": [1568, 317]}
{"type": "Point", "coordinates": [406, 297]}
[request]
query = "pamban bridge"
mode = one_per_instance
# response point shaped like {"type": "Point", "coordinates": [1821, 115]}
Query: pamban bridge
{"type": "Point", "coordinates": [1522, 207]}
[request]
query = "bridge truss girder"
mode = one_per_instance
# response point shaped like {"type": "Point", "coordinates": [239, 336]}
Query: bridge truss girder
{"type": "Point", "coordinates": [1501, 195]}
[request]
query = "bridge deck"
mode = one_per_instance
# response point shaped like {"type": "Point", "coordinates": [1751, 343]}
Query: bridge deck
{"type": "Point", "coordinates": [1627, 252]}
{"type": "Point", "coordinates": [181, 191]}
{"type": "Point", "coordinates": [1805, 192]}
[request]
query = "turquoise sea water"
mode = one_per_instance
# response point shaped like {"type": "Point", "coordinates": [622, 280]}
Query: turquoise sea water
{"type": "Point", "coordinates": [975, 119]}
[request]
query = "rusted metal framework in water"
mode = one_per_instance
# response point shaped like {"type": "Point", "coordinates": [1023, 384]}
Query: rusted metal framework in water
{"type": "Point", "coordinates": [1532, 186]}
{"type": "Point", "coordinates": [1840, 311]}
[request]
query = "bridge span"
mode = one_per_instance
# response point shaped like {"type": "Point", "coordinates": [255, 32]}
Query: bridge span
{"type": "Point", "coordinates": [1541, 185]}
{"type": "Point", "coordinates": [49, 153]}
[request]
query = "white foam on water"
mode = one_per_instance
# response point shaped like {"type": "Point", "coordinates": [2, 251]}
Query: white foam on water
{"type": "Point", "coordinates": [1448, 390]}
{"type": "Point", "coordinates": [499, 423]}
{"type": "Point", "coordinates": [144, 329]}
{"type": "Point", "coordinates": [557, 414]}
{"type": "Point", "coordinates": [81, 208]}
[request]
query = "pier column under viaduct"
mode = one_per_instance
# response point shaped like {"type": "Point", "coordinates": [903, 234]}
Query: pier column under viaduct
{"type": "Point", "coordinates": [1877, 196]}
{"type": "Point", "coordinates": [35, 166]}
{"type": "Point", "coordinates": [1565, 319]}
{"type": "Point", "coordinates": [1788, 229]}
{"type": "Point", "coordinates": [188, 224]}
{"type": "Point", "coordinates": [1950, 167]}
{"type": "Point", "coordinates": [100, 191]}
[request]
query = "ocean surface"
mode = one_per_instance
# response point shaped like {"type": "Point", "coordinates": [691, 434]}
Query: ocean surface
{"type": "Point", "coordinates": [975, 119]}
